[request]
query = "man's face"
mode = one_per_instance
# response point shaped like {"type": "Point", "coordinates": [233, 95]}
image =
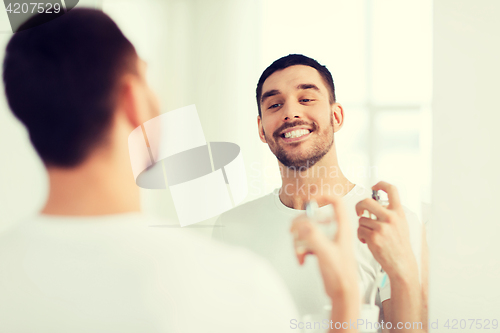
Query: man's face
{"type": "Point", "coordinates": [297, 120]}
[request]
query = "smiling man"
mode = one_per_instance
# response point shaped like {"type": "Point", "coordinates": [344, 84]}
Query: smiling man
{"type": "Point", "coordinates": [298, 117]}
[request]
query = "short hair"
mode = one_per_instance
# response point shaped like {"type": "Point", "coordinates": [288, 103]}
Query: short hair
{"type": "Point", "coordinates": [292, 60]}
{"type": "Point", "coordinates": [61, 80]}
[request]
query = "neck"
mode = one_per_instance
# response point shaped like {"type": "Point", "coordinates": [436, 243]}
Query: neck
{"type": "Point", "coordinates": [101, 185]}
{"type": "Point", "coordinates": [324, 178]}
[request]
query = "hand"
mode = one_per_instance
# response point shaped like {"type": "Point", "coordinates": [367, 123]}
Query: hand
{"type": "Point", "coordinates": [335, 257]}
{"type": "Point", "coordinates": [388, 236]}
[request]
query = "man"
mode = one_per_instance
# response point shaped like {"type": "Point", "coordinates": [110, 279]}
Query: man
{"type": "Point", "coordinates": [298, 116]}
{"type": "Point", "coordinates": [88, 262]}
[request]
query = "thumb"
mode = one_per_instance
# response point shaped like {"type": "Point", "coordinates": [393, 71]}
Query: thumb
{"type": "Point", "coordinates": [316, 241]}
{"type": "Point", "coordinates": [340, 214]}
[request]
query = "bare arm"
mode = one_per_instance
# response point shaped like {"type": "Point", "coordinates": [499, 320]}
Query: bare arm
{"type": "Point", "coordinates": [424, 278]}
{"type": "Point", "coordinates": [405, 306]}
{"type": "Point", "coordinates": [388, 239]}
{"type": "Point", "coordinates": [386, 305]}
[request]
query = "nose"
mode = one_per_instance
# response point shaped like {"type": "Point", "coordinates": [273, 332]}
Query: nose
{"type": "Point", "coordinates": [290, 112]}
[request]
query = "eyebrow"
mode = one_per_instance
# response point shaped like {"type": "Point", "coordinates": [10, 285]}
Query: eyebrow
{"type": "Point", "coordinates": [268, 94]}
{"type": "Point", "coordinates": [305, 86]}
{"type": "Point", "coordinates": [274, 92]}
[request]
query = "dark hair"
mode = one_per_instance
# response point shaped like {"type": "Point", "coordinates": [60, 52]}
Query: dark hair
{"type": "Point", "coordinates": [61, 79]}
{"type": "Point", "coordinates": [292, 60]}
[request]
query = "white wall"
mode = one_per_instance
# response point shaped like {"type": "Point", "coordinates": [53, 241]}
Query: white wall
{"type": "Point", "coordinates": [465, 263]}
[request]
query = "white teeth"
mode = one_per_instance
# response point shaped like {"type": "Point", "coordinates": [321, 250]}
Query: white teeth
{"type": "Point", "coordinates": [296, 134]}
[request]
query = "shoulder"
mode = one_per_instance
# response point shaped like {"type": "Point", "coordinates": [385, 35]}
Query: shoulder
{"type": "Point", "coordinates": [247, 225]}
{"type": "Point", "coordinates": [259, 206]}
{"type": "Point", "coordinates": [250, 285]}
{"type": "Point", "coordinates": [13, 239]}
{"type": "Point", "coordinates": [357, 194]}
{"type": "Point", "coordinates": [242, 285]}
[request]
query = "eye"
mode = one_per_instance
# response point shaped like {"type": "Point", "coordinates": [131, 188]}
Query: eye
{"type": "Point", "coordinates": [305, 100]}
{"type": "Point", "coordinates": [274, 106]}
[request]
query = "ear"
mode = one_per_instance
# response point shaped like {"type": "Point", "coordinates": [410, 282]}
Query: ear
{"type": "Point", "coordinates": [131, 100]}
{"type": "Point", "coordinates": [338, 116]}
{"type": "Point", "coordinates": [261, 130]}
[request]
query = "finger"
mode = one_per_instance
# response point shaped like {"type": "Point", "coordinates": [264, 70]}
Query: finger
{"type": "Point", "coordinates": [392, 193]}
{"type": "Point", "coordinates": [343, 230]}
{"type": "Point", "coordinates": [373, 207]}
{"type": "Point", "coordinates": [311, 240]}
{"type": "Point", "coordinates": [364, 234]}
{"type": "Point", "coordinates": [304, 233]}
{"type": "Point", "coordinates": [302, 257]}
{"type": "Point", "coordinates": [298, 222]}
{"type": "Point", "coordinates": [369, 223]}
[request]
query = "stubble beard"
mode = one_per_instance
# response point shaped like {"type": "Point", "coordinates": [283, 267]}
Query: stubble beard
{"type": "Point", "coordinates": [322, 145]}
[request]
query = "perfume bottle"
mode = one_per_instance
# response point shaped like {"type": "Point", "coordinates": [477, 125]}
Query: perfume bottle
{"type": "Point", "coordinates": [380, 197]}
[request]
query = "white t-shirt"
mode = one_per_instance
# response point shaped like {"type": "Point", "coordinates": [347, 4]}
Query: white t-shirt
{"type": "Point", "coordinates": [115, 274]}
{"type": "Point", "coordinates": [263, 226]}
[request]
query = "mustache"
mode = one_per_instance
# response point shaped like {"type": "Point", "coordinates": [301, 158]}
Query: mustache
{"type": "Point", "coordinates": [283, 127]}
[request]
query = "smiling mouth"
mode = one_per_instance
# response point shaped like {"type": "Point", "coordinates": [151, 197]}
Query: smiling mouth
{"type": "Point", "coordinates": [295, 134]}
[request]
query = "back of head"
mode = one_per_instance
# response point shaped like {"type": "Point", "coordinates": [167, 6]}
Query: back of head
{"type": "Point", "coordinates": [61, 79]}
{"type": "Point", "coordinates": [293, 60]}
